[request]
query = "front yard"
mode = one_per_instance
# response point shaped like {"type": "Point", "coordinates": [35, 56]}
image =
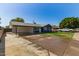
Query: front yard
{"type": "Point", "coordinates": [44, 42]}
{"type": "Point", "coordinates": [64, 35]}
{"type": "Point", "coordinates": [56, 42]}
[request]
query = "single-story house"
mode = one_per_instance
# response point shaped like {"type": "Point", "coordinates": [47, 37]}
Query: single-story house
{"type": "Point", "coordinates": [27, 28]}
{"type": "Point", "coordinates": [55, 28]}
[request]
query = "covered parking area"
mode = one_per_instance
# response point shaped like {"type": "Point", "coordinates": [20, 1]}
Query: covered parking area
{"type": "Point", "coordinates": [25, 28]}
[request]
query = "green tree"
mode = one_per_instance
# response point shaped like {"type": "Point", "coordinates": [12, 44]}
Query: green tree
{"type": "Point", "coordinates": [69, 22]}
{"type": "Point", "coordinates": [18, 19]}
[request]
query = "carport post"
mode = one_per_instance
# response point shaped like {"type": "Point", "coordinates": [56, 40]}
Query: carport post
{"type": "Point", "coordinates": [40, 30]}
{"type": "Point", "coordinates": [16, 31]}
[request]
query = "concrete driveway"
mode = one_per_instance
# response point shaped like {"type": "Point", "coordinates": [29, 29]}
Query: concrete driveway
{"type": "Point", "coordinates": [16, 46]}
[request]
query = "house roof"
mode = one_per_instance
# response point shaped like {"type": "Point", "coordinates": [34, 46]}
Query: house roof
{"type": "Point", "coordinates": [25, 24]}
{"type": "Point", "coordinates": [48, 25]}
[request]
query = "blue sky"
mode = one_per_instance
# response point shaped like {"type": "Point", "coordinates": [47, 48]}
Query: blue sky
{"type": "Point", "coordinates": [42, 13]}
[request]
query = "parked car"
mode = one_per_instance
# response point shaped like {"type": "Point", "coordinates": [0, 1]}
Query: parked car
{"type": "Point", "coordinates": [65, 30]}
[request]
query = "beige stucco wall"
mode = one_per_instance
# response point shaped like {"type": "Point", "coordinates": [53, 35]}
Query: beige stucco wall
{"type": "Point", "coordinates": [23, 29]}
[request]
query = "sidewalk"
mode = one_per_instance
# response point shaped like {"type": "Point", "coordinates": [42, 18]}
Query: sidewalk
{"type": "Point", "coordinates": [76, 36]}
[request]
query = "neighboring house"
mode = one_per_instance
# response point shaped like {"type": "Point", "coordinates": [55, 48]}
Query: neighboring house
{"type": "Point", "coordinates": [55, 28]}
{"type": "Point", "coordinates": [47, 28]}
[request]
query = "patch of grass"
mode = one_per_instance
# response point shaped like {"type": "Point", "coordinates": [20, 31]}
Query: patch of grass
{"type": "Point", "coordinates": [64, 35]}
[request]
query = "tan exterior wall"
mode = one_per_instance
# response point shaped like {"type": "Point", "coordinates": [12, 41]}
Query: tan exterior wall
{"type": "Point", "coordinates": [23, 29]}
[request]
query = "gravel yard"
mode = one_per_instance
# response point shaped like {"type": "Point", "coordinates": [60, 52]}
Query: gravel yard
{"type": "Point", "coordinates": [52, 43]}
